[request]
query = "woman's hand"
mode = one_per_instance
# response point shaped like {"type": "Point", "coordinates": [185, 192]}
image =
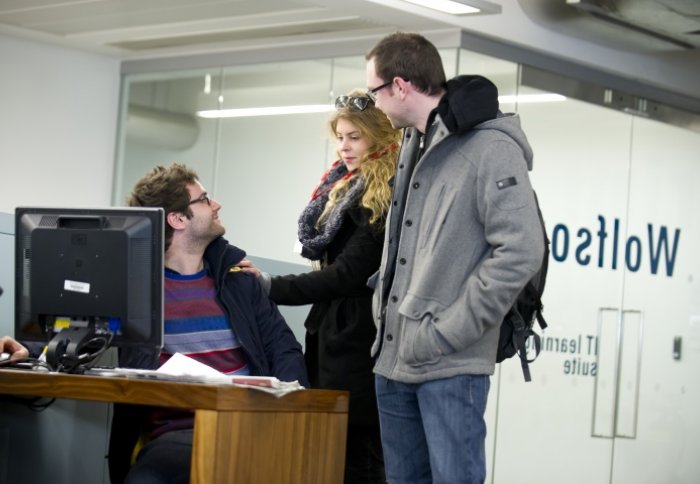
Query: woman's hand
{"type": "Point", "coordinates": [248, 266]}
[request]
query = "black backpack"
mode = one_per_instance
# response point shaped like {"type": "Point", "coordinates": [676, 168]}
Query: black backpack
{"type": "Point", "coordinates": [518, 323]}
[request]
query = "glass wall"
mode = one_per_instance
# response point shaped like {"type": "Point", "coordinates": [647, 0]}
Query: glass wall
{"type": "Point", "coordinates": [614, 391]}
{"type": "Point", "coordinates": [262, 169]}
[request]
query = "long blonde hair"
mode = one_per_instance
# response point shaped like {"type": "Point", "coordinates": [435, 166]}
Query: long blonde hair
{"type": "Point", "coordinates": [377, 166]}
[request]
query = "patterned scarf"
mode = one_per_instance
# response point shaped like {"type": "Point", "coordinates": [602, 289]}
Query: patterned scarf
{"type": "Point", "coordinates": [315, 240]}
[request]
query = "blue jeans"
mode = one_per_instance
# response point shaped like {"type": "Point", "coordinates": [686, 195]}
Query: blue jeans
{"type": "Point", "coordinates": [434, 432]}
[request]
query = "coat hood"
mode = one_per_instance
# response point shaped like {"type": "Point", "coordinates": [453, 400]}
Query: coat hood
{"type": "Point", "coordinates": [468, 101]}
{"type": "Point", "coordinates": [509, 124]}
{"type": "Point", "coordinates": [471, 102]}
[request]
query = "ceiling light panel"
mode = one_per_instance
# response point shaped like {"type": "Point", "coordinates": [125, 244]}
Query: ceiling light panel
{"type": "Point", "coordinates": [446, 6]}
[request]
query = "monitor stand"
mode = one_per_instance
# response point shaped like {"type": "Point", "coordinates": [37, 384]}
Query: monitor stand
{"type": "Point", "coordinates": [65, 348]}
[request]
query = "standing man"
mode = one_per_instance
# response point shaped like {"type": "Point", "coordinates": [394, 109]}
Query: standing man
{"type": "Point", "coordinates": [213, 312]}
{"type": "Point", "coordinates": [463, 238]}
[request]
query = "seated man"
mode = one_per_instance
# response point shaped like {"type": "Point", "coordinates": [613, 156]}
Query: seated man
{"type": "Point", "coordinates": [213, 313]}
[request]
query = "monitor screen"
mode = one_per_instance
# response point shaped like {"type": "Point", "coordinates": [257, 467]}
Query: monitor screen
{"type": "Point", "coordinates": [89, 274]}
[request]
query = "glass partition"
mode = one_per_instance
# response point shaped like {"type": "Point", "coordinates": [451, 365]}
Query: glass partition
{"type": "Point", "coordinates": [160, 125]}
{"type": "Point", "coordinates": [261, 168]}
{"type": "Point", "coordinates": [268, 165]}
{"type": "Point", "coordinates": [608, 184]}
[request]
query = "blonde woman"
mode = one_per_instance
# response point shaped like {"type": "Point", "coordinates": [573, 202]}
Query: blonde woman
{"type": "Point", "coordinates": [341, 229]}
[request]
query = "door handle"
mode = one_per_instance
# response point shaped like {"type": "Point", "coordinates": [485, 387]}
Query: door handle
{"type": "Point", "coordinates": [629, 373]}
{"type": "Point", "coordinates": [604, 385]}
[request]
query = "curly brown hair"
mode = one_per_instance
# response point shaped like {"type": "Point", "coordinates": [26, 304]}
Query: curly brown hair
{"type": "Point", "coordinates": [165, 187]}
{"type": "Point", "coordinates": [377, 166]}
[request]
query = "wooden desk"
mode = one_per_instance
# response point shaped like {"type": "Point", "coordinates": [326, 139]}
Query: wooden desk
{"type": "Point", "coordinates": [240, 435]}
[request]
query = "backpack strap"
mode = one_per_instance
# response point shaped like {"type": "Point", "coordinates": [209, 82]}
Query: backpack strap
{"type": "Point", "coordinates": [537, 301]}
{"type": "Point", "coordinates": [520, 335]}
{"type": "Point", "coordinates": [540, 318]}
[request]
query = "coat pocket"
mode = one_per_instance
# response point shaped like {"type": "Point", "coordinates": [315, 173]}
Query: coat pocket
{"type": "Point", "coordinates": [421, 343]}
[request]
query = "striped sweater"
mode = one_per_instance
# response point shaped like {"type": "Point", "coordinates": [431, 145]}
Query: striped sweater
{"type": "Point", "coordinates": [195, 326]}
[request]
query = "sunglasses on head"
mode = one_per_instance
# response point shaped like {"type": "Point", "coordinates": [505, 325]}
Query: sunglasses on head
{"type": "Point", "coordinates": [354, 103]}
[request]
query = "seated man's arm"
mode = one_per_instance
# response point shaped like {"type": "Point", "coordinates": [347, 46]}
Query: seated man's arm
{"type": "Point", "coordinates": [282, 350]}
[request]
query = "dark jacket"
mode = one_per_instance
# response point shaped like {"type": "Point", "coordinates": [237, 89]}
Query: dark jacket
{"type": "Point", "coordinates": [340, 330]}
{"type": "Point", "coordinates": [267, 341]}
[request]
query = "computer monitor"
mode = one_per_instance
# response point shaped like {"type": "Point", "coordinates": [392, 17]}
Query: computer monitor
{"type": "Point", "coordinates": [85, 276]}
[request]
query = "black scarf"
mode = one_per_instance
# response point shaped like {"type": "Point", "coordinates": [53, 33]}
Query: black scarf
{"type": "Point", "coordinates": [315, 240]}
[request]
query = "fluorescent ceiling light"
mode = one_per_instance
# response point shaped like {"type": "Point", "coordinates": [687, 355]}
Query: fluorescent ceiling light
{"type": "Point", "coordinates": [531, 98]}
{"type": "Point", "coordinates": [326, 108]}
{"type": "Point", "coordinates": [268, 111]}
{"type": "Point", "coordinates": [446, 6]}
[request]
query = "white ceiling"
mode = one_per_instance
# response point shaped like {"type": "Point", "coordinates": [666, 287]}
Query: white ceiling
{"type": "Point", "coordinates": [135, 28]}
{"type": "Point", "coordinates": [140, 28]}
{"type": "Point", "coordinates": [143, 29]}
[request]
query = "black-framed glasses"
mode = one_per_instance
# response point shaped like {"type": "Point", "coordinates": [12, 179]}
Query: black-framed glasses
{"type": "Point", "coordinates": [372, 93]}
{"type": "Point", "coordinates": [202, 198]}
{"type": "Point", "coordinates": [354, 103]}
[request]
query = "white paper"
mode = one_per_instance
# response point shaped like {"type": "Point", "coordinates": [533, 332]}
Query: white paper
{"type": "Point", "coordinates": [181, 365]}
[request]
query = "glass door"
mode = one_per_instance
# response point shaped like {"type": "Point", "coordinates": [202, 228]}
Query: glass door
{"type": "Point", "coordinates": [559, 427]}
{"type": "Point", "coordinates": [614, 395]}
{"type": "Point", "coordinates": [658, 423]}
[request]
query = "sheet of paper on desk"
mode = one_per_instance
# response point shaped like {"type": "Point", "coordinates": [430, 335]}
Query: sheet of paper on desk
{"type": "Point", "coordinates": [268, 384]}
{"type": "Point", "coordinates": [182, 365]}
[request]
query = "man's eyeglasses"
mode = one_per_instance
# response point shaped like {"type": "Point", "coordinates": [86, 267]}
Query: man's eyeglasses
{"type": "Point", "coordinates": [372, 93]}
{"type": "Point", "coordinates": [202, 198]}
{"type": "Point", "coordinates": [354, 103]}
